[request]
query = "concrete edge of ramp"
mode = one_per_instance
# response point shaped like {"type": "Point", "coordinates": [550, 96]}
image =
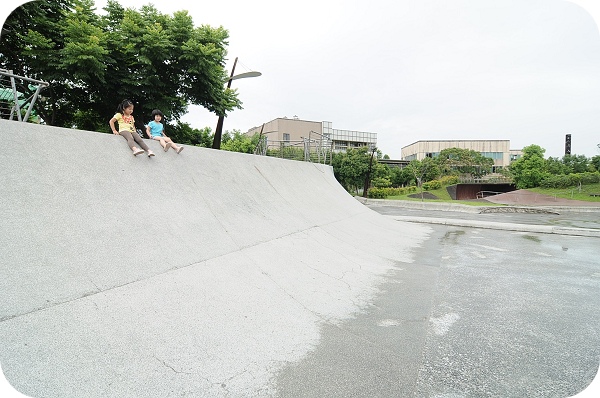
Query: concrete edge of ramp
{"type": "Point", "coordinates": [200, 273]}
{"type": "Point", "coordinates": [463, 208]}
{"type": "Point", "coordinates": [544, 229]}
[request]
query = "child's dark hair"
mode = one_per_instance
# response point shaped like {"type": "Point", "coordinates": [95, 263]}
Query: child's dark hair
{"type": "Point", "coordinates": [157, 112]}
{"type": "Point", "coordinates": [125, 104]}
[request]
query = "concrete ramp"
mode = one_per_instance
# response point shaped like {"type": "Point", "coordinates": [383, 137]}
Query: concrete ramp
{"type": "Point", "coordinates": [197, 274]}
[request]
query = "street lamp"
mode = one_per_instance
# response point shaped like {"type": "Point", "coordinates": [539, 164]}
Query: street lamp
{"type": "Point", "coordinates": [372, 148]}
{"type": "Point", "coordinates": [219, 130]}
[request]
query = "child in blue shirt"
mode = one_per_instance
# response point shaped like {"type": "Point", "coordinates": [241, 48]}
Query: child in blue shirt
{"type": "Point", "coordinates": [156, 131]}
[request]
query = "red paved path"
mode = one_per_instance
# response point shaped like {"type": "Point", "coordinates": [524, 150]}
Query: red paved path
{"type": "Point", "coordinates": [528, 198]}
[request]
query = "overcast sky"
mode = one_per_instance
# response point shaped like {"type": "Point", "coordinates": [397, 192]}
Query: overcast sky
{"type": "Point", "coordinates": [527, 71]}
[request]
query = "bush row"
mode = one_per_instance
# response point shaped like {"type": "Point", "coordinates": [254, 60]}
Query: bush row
{"type": "Point", "coordinates": [382, 193]}
{"type": "Point", "coordinates": [570, 180]}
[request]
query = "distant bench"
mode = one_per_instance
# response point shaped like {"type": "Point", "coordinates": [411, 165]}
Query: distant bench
{"type": "Point", "coordinates": [595, 194]}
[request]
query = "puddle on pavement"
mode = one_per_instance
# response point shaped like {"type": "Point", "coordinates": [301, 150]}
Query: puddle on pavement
{"type": "Point", "coordinates": [452, 236]}
{"type": "Point", "coordinates": [532, 238]}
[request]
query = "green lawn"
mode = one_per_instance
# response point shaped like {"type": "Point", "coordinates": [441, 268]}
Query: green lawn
{"type": "Point", "coordinates": [567, 193]}
{"type": "Point", "coordinates": [572, 192]}
{"type": "Point", "coordinates": [443, 196]}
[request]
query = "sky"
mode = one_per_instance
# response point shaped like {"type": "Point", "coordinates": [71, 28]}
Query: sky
{"type": "Point", "coordinates": [527, 71]}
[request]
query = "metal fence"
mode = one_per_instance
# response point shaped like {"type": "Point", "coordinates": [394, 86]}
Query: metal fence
{"type": "Point", "coordinates": [18, 96]}
{"type": "Point", "coordinates": [316, 148]}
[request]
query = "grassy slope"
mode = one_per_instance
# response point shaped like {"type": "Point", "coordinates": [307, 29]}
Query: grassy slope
{"type": "Point", "coordinates": [567, 193]}
{"type": "Point", "coordinates": [573, 192]}
{"type": "Point", "coordinates": [441, 193]}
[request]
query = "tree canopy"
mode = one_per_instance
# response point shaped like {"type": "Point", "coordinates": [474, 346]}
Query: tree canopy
{"type": "Point", "coordinates": [464, 161]}
{"type": "Point", "coordinates": [351, 167]}
{"type": "Point", "coordinates": [530, 169]}
{"type": "Point", "coordinates": [94, 61]}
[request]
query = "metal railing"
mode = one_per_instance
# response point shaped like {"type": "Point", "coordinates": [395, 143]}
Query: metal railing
{"type": "Point", "coordinates": [485, 194]}
{"type": "Point", "coordinates": [315, 148]}
{"type": "Point", "coordinates": [488, 179]}
{"type": "Point", "coordinates": [18, 95]}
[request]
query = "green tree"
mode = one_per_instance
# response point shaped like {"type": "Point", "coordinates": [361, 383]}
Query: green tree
{"type": "Point", "coordinates": [382, 182]}
{"type": "Point", "coordinates": [183, 133]}
{"type": "Point", "coordinates": [595, 162]}
{"type": "Point", "coordinates": [423, 171]}
{"type": "Point", "coordinates": [380, 170]}
{"type": "Point", "coordinates": [556, 166]}
{"type": "Point", "coordinates": [463, 161]}
{"type": "Point", "coordinates": [29, 32]}
{"type": "Point", "coordinates": [400, 176]}
{"type": "Point", "coordinates": [351, 168]}
{"type": "Point", "coordinates": [576, 163]}
{"type": "Point", "coordinates": [92, 62]}
{"type": "Point", "coordinates": [236, 141]}
{"type": "Point", "coordinates": [530, 169]}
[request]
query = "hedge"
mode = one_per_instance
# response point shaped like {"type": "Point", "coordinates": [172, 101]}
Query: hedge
{"type": "Point", "coordinates": [570, 180]}
{"type": "Point", "coordinates": [382, 193]}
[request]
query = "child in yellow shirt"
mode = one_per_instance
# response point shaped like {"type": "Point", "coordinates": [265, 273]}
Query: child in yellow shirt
{"type": "Point", "coordinates": [126, 122]}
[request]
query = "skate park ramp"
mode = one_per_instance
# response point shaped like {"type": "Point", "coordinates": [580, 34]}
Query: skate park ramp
{"type": "Point", "coordinates": [198, 274]}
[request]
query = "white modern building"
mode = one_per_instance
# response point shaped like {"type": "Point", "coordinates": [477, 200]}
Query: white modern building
{"type": "Point", "coordinates": [497, 150]}
{"type": "Point", "coordinates": [295, 130]}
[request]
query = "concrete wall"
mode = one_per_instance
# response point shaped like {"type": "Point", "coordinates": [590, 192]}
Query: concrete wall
{"type": "Point", "coordinates": [470, 191]}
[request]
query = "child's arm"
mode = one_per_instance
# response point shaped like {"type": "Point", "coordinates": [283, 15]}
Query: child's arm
{"type": "Point", "coordinates": [111, 123]}
{"type": "Point", "coordinates": [148, 132]}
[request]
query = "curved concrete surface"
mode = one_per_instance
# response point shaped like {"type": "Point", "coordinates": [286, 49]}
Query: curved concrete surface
{"type": "Point", "coordinates": [198, 274]}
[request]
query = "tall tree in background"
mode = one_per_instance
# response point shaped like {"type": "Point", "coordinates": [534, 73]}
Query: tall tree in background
{"type": "Point", "coordinates": [94, 61]}
{"type": "Point", "coordinates": [530, 169]}
{"type": "Point", "coordinates": [464, 161]}
{"type": "Point", "coordinates": [351, 167]}
{"type": "Point", "coordinates": [423, 171]}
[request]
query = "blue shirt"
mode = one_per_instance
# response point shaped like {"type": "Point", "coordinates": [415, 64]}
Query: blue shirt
{"type": "Point", "coordinates": [156, 129]}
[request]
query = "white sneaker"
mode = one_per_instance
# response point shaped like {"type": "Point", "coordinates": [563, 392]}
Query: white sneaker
{"type": "Point", "coordinates": [167, 146]}
{"type": "Point", "coordinates": [150, 153]}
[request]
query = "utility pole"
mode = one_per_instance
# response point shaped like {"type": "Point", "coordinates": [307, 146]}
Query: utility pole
{"type": "Point", "coordinates": [368, 179]}
{"type": "Point", "coordinates": [219, 130]}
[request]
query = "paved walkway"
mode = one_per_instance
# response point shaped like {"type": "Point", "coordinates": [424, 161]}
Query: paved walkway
{"type": "Point", "coordinates": [534, 212]}
{"type": "Point", "coordinates": [524, 197]}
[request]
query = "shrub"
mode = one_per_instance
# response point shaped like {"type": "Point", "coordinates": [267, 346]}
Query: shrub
{"type": "Point", "coordinates": [556, 181]}
{"type": "Point", "coordinates": [381, 182]}
{"type": "Point", "coordinates": [376, 193]}
{"type": "Point", "coordinates": [382, 193]}
{"type": "Point", "coordinates": [433, 184]}
{"type": "Point", "coordinates": [590, 177]}
{"type": "Point", "coordinates": [448, 180]}
{"type": "Point", "coordinates": [570, 180]}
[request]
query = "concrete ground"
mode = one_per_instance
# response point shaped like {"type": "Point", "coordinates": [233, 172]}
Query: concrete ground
{"type": "Point", "coordinates": [217, 274]}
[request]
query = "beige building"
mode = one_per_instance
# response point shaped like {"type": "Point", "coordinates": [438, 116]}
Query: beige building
{"type": "Point", "coordinates": [498, 150]}
{"type": "Point", "coordinates": [296, 130]}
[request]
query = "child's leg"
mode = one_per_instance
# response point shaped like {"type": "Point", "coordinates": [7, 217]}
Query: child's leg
{"type": "Point", "coordinates": [165, 144]}
{"type": "Point", "coordinates": [173, 145]}
{"type": "Point", "coordinates": [129, 138]}
{"type": "Point", "coordinates": [140, 142]}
